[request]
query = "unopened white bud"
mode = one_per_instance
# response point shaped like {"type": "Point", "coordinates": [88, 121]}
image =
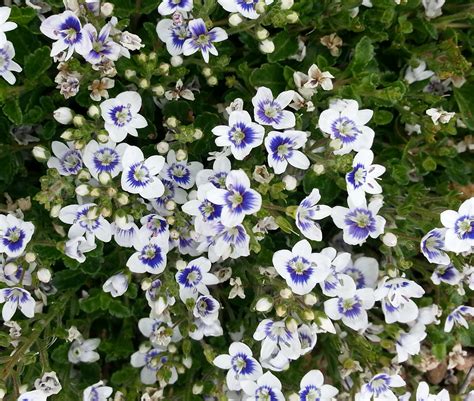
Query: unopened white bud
{"type": "Point", "coordinates": [172, 122]}
{"type": "Point", "coordinates": [181, 155]}
{"type": "Point", "coordinates": [66, 135]}
{"type": "Point", "coordinates": [286, 293]}
{"type": "Point", "coordinates": [41, 154]}
{"type": "Point", "coordinates": [142, 58]}
{"type": "Point", "coordinates": [82, 190]}
{"type": "Point", "coordinates": [264, 304]}
{"type": "Point", "coordinates": [30, 257]}
{"type": "Point", "coordinates": [158, 90]}
{"type": "Point", "coordinates": [107, 9]}
{"type": "Point", "coordinates": [262, 33]}
{"type": "Point", "coordinates": [171, 220]}
{"type": "Point", "coordinates": [281, 310]}
{"type": "Point", "coordinates": [172, 348]}
{"type": "Point", "coordinates": [212, 81]}
{"type": "Point", "coordinates": [308, 314]}
{"type": "Point", "coordinates": [120, 219]}
{"type": "Point", "coordinates": [162, 147]}
{"type": "Point", "coordinates": [176, 61]}
{"type": "Point", "coordinates": [63, 115]}
{"type": "Point", "coordinates": [54, 212]}
{"type": "Point", "coordinates": [266, 46]}
{"type": "Point", "coordinates": [105, 178]}
{"type": "Point", "coordinates": [260, 7]}
{"type": "Point", "coordinates": [44, 275]}
{"type": "Point", "coordinates": [292, 17]}
{"type": "Point", "coordinates": [3, 392]}
{"type": "Point", "coordinates": [103, 138]}
{"type": "Point", "coordinates": [207, 72]}
{"type": "Point", "coordinates": [235, 19]}
{"type": "Point", "coordinates": [146, 284]}
{"type": "Point", "coordinates": [390, 240]}
{"type": "Point", "coordinates": [129, 74]}
{"type": "Point", "coordinates": [94, 192]}
{"type": "Point", "coordinates": [122, 199]}
{"type": "Point", "coordinates": [197, 388]}
{"type": "Point", "coordinates": [180, 264]}
{"type": "Point", "coordinates": [310, 299]}
{"type": "Point", "coordinates": [152, 56]}
{"type": "Point", "coordinates": [188, 362]}
{"type": "Point", "coordinates": [286, 4]}
{"type": "Point", "coordinates": [84, 175]}
{"type": "Point", "coordinates": [290, 182]}
{"type": "Point", "coordinates": [174, 234]}
{"type": "Point", "coordinates": [180, 369]}
{"type": "Point", "coordinates": [335, 144]}
{"type": "Point", "coordinates": [291, 324]}
{"type": "Point", "coordinates": [93, 111]}
{"type": "Point", "coordinates": [144, 83]}
{"type": "Point", "coordinates": [164, 68]}
{"type": "Point", "coordinates": [294, 397]}
{"type": "Point", "coordinates": [318, 169]}
{"type": "Point", "coordinates": [198, 134]}
{"type": "Point", "coordinates": [170, 205]}
{"type": "Point", "coordinates": [78, 120]}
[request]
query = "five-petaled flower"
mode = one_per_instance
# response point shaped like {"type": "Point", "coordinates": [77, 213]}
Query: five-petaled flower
{"type": "Point", "coordinates": [270, 111]}
{"type": "Point", "coordinates": [16, 298]}
{"type": "Point", "coordinates": [14, 235]}
{"type": "Point", "coordinates": [282, 148]}
{"type": "Point", "coordinates": [202, 40]}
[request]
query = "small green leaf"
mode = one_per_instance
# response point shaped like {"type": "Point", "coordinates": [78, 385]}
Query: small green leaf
{"type": "Point", "coordinates": [269, 75]}
{"type": "Point", "coordinates": [37, 63]}
{"type": "Point", "coordinates": [363, 54]}
{"type": "Point", "coordinates": [285, 46]}
{"type": "Point", "coordinates": [13, 111]}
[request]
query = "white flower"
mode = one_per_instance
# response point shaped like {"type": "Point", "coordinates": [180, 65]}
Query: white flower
{"type": "Point", "coordinates": [433, 247]}
{"type": "Point", "coordinates": [173, 34]}
{"type": "Point", "coordinates": [84, 351]}
{"type": "Point", "coordinates": [276, 336]}
{"type": "Point", "coordinates": [85, 219]}
{"type": "Point", "coordinates": [104, 158]}
{"type": "Point", "coordinates": [100, 46]}
{"type": "Point", "coordinates": [202, 40]}
{"type": "Point", "coordinates": [35, 395]}
{"type": "Point", "coordinates": [76, 247]}
{"type": "Point", "coordinates": [206, 308]}
{"type": "Point", "coordinates": [182, 173]}
{"type": "Point", "coordinates": [446, 274]}
{"type": "Point", "coordinates": [240, 365]}
{"type": "Point", "coordinates": [63, 115]}
{"type": "Point", "coordinates": [237, 200]}
{"type": "Point", "coordinates": [5, 25]}
{"type": "Point", "coordinates": [168, 7]}
{"type": "Point", "coordinates": [364, 271]}
{"type": "Point", "coordinates": [344, 121]}
{"type": "Point", "coordinates": [457, 316]}
{"type": "Point", "coordinates": [246, 8]}
{"type": "Point", "coordinates": [195, 278]}
{"type": "Point", "coordinates": [312, 387]}
{"type": "Point", "coordinates": [439, 116]}
{"type": "Point", "coordinates": [267, 387]}
{"type": "Point", "coordinates": [237, 289]}
{"type": "Point", "coordinates": [318, 78]}
{"type": "Point", "coordinates": [363, 177]}
{"type": "Point", "coordinates": [270, 111]}
{"type": "Point", "coordinates": [379, 388]}
{"type": "Point", "coordinates": [351, 308]}
{"type": "Point", "coordinates": [433, 8]}
{"type": "Point", "coordinates": [117, 285]}
{"type": "Point", "coordinates": [409, 343]}
{"type": "Point", "coordinates": [15, 298]}
{"type": "Point", "coordinates": [308, 211]}
{"type": "Point", "coordinates": [152, 361]}
{"type": "Point", "coordinates": [150, 256]}
{"type": "Point", "coordinates": [140, 175]}
{"type": "Point", "coordinates": [423, 394]}
{"type": "Point", "coordinates": [14, 235]}
{"type": "Point", "coordinates": [282, 148]}
{"type": "Point", "coordinates": [459, 235]}
{"type": "Point", "coordinates": [301, 268]}
{"type": "Point", "coordinates": [419, 73]}
{"type": "Point", "coordinates": [68, 160]}
{"type": "Point", "coordinates": [49, 384]}
{"type": "Point", "coordinates": [359, 221]}
{"type": "Point", "coordinates": [121, 115]}
{"type": "Point", "coordinates": [97, 392]}
{"type": "Point", "coordinates": [242, 135]}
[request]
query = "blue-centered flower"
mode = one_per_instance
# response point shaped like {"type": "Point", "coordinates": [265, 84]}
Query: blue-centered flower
{"type": "Point", "coordinates": [16, 298]}
{"type": "Point", "coordinates": [168, 7]}
{"type": "Point", "coordinates": [282, 148]}
{"type": "Point", "coordinates": [308, 212]}
{"type": "Point", "coordinates": [14, 235]}
{"type": "Point", "coordinates": [104, 160]}
{"type": "Point", "coordinates": [102, 47]}
{"type": "Point", "coordinates": [67, 159]}
{"type": "Point", "coordinates": [194, 279]}
{"type": "Point", "coordinates": [457, 317]}
{"type": "Point", "coordinates": [173, 34]}
{"type": "Point", "coordinates": [7, 65]}
{"type": "Point", "coordinates": [266, 388]}
{"type": "Point", "coordinates": [312, 387]}
{"type": "Point", "coordinates": [274, 336]}
{"type": "Point", "coordinates": [433, 247]}
{"type": "Point", "coordinates": [202, 40]}
{"type": "Point", "coordinates": [460, 227]}
{"type": "Point", "coordinates": [150, 256]}
{"type": "Point", "coordinates": [380, 388]}
{"type": "Point", "coordinates": [270, 111]}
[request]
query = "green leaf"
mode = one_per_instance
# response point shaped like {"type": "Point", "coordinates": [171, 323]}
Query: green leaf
{"type": "Point", "coordinates": [37, 63]}
{"type": "Point", "coordinates": [23, 15]}
{"type": "Point", "coordinates": [13, 111]}
{"type": "Point", "coordinates": [285, 46]}
{"type": "Point", "coordinates": [269, 75]}
{"type": "Point", "coordinates": [363, 54]}
{"type": "Point", "coordinates": [118, 309]}
{"type": "Point", "coordinates": [465, 102]}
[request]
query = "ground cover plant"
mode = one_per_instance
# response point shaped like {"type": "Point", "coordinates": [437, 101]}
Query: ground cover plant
{"type": "Point", "coordinates": [259, 200]}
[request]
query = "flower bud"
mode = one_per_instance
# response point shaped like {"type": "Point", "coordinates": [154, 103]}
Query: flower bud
{"type": "Point", "coordinates": [41, 154]}
{"type": "Point", "coordinates": [93, 111]}
{"type": "Point", "coordinates": [170, 205]}
{"type": "Point", "coordinates": [142, 58]}
{"type": "Point", "coordinates": [146, 284]}
{"type": "Point", "coordinates": [310, 299]}
{"type": "Point", "coordinates": [174, 234]}
{"type": "Point", "coordinates": [198, 134]}
{"type": "Point", "coordinates": [129, 74]}
{"type": "Point", "coordinates": [122, 199]}
{"type": "Point", "coordinates": [308, 314]}
{"type": "Point", "coordinates": [94, 192]}
{"type": "Point", "coordinates": [164, 68]}
{"type": "Point", "coordinates": [172, 122]}
{"type": "Point", "coordinates": [286, 293]}
{"type": "Point", "coordinates": [262, 33]}
{"type": "Point", "coordinates": [106, 211]}
{"type": "Point", "coordinates": [3, 392]}
{"type": "Point", "coordinates": [162, 147]}
{"type": "Point", "coordinates": [82, 190]}
{"type": "Point", "coordinates": [286, 4]}
{"type": "Point", "coordinates": [66, 135]}
{"type": "Point", "coordinates": [111, 192]}
{"type": "Point", "coordinates": [176, 61]}
{"type": "Point", "coordinates": [267, 46]}
{"type": "Point", "coordinates": [105, 178]}
{"type": "Point", "coordinates": [294, 397]}
{"type": "Point", "coordinates": [181, 155]}
{"type": "Point", "coordinates": [144, 83]}
{"type": "Point", "coordinates": [103, 138]}
{"type": "Point", "coordinates": [260, 7]}
{"type": "Point", "coordinates": [212, 81]}
{"type": "Point", "coordinates": [318, 169]}
{"type": "Point", "coordinates": [292, 17]}
{"type": "Point", "coordinates": [158, 90]}
{"type": "Point", "coordinates": [171, 220]}
{"type": "Point", "coordinates": [172, 348]}
{"type": "Point", "coordinates": [264, 304]}
{"type": "Point", "coordinates": [390, 240]}
{"type": "Point", "coordinates": [63, 115]}
{"type": "Point", "coordinates": [291, 324]}
{"type": "Point", "coordinates": [290, 182]}
{"type": "Point", "coordinates": [335, 144]}
{"type": "Point", "coordinates": [78, 120]}
{"type": "Point", "coordinates": [152, 56]}
{"type": "Point", "coordinates": [44, 275]}
{"type": "Point", "coordinates": [180, 264]}
{"type": "Point", "coordinates": [207, 72]}
{"type": "Point", "coordinates": [30, 257]}
{"type": "Point", "coordinates": [235, 19]}
{"type": "Point", "coordinates": [54, 212]}
{"type": "Point", "coordinates": [107, 9]}
{"type": "Point", "coordinates": [84, 175]}
{"type": "Point", "coordinates": [281, 310]}
{"type": "Point", "coordinates": [197, 388]}
{"type": "Point", "coordinates": [188, 362]}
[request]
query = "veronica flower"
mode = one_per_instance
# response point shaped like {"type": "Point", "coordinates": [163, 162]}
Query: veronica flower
{"type": "Point", "coordinates": [282, 150]}
{"type": "Point", "coordinates": [308, 211]}
{"type": "Point", "coordinates": [182, 173]}
{"type": "Point", "coordinates": [14, 235]}
{"type": "Point", "coordinates": [301, 268]}
{"type": "Point", "coordinates": [76, 247]}
{"type": "Point", "coordinates": [140, 175]}
{"type": "Point", "coordinates": [358, 222]}
{"type": "Point", "coordinates": [5, 25]}
{"type": "Point", "coordinates": [101, 45]}
{"type": "Point", "coordinates": [275, 335]}
{"type": "Point", "coordinates": [276, 361]}
{"type": "Point", "coordinates": [242, 135]}
{"type": "Point", "coordinates": [121, 115]}
{"type": "Point", "coordinates": [103, 159]}
{"type": "Point", "coordinates": [16, 298]}
{"type": "Point", "coordinates": [84, 351]}
{"type": "Point", "coordinates": [363, 177]}
{"type": "Point", "coordinates": [270, 111]}
{"type": "Point", "coordinates": [409, 343]}
{"type": "Point", "coordinates": [153, 225]}
{"type": "Point", "coordinates": [171, 193]}
{"type": "Point", "coordinates": [336, 282]}
{"type": "Point", "coordinates": [379, 388]}
{"type": "Point", "coordinates": [423, 393]}
{"type": "Point", "coordinates": [68, 160]}
{"type": "Point", "coordinates": [220, 168]}
{"type": "Point", "coordinates": [117, 285]}
{"type": "Point", "coordinates": [195, 278]}
{"type": "Point", "coordinates": [267, 387]}
{"type": "Point", "coordinates": [85, 219]}
{"type": "Point", "coordinates": [364, 271]}
{"type": "Point", "coordinates": [351, 308]}
{"type": "Point", "coordinates": [206, 308]}
{"type": "Point", "coordinates": [150, 256]}
{"type": "Point", "coordinates": [457, 317]}
{"type": "Point", "coordinates": [459, 235]}
{"type": "Point", "coordinates": [308, 337]}
{"type": "Point", "coordinates": [97, 392]}
{"type": "Point", "coordinates": [125, 231]}
{"type": "Point", "coordinates": [202, 329]}
{"type": "Point", "coordinates": [245, 7]}
{"type": "Point", "coordinates": [344, 121]}
{"type": "Point", "coordinates": [202, 40]}
{"type": "Point", "coordinates": [7, 65]}
{"type": "Point", "coordinates": [312, 387]}
{"type": "Point", "coordinates": [395, 296]}
{"type": "Point", "coordinates": [35, 395]}
{"type": "Point", "coordinates": [13, 272]}
{"type": "Point", "coordinates": [446, 274]}
{"type": "Point", "coordinates": [237, 200]}
{"type": "Point", "coordinates": [173, 34]}
{"type": "Point", "coordinates": [419, 73]}
{"type": "Point", "coordinates": [160, 334]}
{"type": "Point", "coordinates": [66, 30]}
{"type": "Point", "coordinates": [230, 242]}
{"type": "Point", "coordinates": [432, 246]}
{"type": "Point", "coordinates": [184, 237]}
{"type": "Point", "coordinates": [240, 365]}
{"type": "Point", "coordinates": [151, 361]}
{"type": "Point", "coordinates": [168, 7]}
{"type": "Point", "coordinates": [318, 78]}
